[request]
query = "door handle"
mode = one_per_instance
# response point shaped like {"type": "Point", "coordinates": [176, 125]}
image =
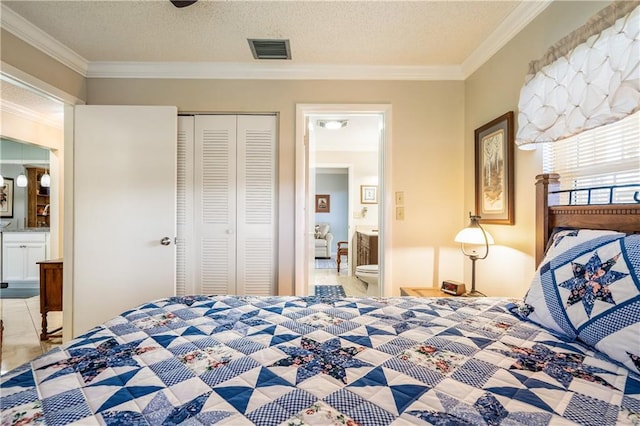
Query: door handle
{"type": "Point", "coordinates": [165, 241]}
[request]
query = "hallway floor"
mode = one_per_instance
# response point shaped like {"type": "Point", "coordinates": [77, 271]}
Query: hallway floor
{"type": "Point", "coordinates": [352, 285]}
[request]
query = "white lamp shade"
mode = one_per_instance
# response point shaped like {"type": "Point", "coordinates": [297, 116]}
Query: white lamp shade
{"type": "Point", "coordinates": [473, 235]}
{"type": "Point", "coordinates": [21, 180]}
{"type": "Point", "coordinates": [1, 181]}
{"type": "Point", "coordinates": [45, 180]}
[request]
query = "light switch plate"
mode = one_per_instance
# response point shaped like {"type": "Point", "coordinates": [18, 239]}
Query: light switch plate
{"type": "Point", "coordinates": [399, 213]}
{"type": "Point", "coordinates": [399, 198]}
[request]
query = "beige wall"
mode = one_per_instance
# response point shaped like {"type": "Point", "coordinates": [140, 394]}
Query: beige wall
{"type": "Point", "coordinates": [21, 55]}
{"type": "Point", "coordinates": [426, 148]}
{"type": "Point", "coordinates": [490, 92]}
{"type": "Point", "coordinates": [432, 145]}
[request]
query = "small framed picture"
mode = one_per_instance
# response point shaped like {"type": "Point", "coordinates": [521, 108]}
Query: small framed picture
{"type": "Point", "coordinates": [368, 194]}
{"type": "Point", "coordinates": [6, 198]}
{"type": "Point", "coordinates": [323, 203]}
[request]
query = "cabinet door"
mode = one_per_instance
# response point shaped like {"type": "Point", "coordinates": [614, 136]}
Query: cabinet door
{"type": "Point", "coordinates": [13, 262]}
{"type": "Point", "coordinates": [33, 252]}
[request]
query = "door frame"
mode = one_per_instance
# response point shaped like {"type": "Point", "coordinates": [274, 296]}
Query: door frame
{"type": "Point", "coordinates": [301, 233]}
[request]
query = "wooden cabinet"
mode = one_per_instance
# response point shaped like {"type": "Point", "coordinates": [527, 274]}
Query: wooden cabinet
{"type": "Point", "coordinates": [20, 253]}
{"type": "Point", "coordinates": [37, 199]}
{"type": "Point", "coordinates": [367, 249]}
{"type": "Point", "coordinates": [50, 292]}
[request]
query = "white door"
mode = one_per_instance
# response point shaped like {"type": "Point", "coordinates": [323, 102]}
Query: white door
{"type": "Point", "coordinates": [230, 238]}
{"type": "Point", "coordinates": [124, 204]}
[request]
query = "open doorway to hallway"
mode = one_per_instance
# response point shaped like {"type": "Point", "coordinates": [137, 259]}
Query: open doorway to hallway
{"type": "Point", "coordinates": [338, 164]}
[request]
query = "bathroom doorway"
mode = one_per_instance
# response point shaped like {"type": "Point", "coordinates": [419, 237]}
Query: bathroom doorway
{"type": "Point", "coordinates": [369, 157]}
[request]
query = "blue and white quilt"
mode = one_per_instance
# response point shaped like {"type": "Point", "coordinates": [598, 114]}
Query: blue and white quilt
{"type": "Point", "coordinates": [313, 360]}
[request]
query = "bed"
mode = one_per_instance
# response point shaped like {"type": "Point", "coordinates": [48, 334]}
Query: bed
{"type": "Point", "coordinates": [286, 360]}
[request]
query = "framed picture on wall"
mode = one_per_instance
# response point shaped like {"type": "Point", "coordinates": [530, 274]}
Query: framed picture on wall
{"type": "Point", "coordinates": [494, 171]}
{"type": "Point", "coordinates": [6, 198]}
{"type": "Point", "coordinates": [368, 194]}
{"type": "Point", "coordinates": [323, 203]}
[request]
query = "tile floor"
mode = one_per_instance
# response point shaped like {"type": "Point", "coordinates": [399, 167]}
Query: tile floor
{"type": "Point", "coordinates": [352, 285]}
{"type": "Point", "coordinates": [21, 318]}
{"type": "Point", "coordinates": [21, 338]}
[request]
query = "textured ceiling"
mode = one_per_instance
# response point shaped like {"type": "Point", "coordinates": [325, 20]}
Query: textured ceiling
{"type": "Point", "coordinates": [420, 33]}
{"type": "Point", "coordinates": [410, 33]}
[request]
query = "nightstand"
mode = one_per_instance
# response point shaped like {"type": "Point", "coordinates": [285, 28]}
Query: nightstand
{"type": "Point", "coordinates": [422, 292]}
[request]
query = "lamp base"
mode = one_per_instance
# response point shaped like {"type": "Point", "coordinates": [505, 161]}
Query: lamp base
{"type": "Point", "coordinates": [474, 293]}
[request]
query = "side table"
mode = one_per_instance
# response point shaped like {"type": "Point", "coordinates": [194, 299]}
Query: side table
{"type": "Point", "coordinates": [50, 292]}
{"type": "Point", "coordinates": [422, 292]}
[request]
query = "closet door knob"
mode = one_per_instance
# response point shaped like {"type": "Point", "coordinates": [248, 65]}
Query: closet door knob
{"type": "Point", "coordinates": [165, 241]}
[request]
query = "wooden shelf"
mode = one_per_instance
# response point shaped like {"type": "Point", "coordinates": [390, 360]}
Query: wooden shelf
{"type": "Point", "coordinates": [36, 201]}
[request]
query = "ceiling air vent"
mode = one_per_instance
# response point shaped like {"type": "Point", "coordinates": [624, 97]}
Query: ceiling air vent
{"type": "Point", "coordinates": [270, 48]}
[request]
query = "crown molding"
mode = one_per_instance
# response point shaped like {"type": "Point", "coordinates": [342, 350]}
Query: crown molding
{"type": "Point", "coordinates": [526, 12]}
{"type": "Point", "coordinates": [269, 71]}
{"type": "Point", "coordinates": [515, 22]}
{"type": "Point", "coordinates": [26, 31]}
{"type": "Point", "coordinates": [8, 107]}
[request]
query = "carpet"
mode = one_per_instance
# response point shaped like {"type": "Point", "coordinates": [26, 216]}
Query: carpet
{"type": "Point", "coordinates": [330, 291]}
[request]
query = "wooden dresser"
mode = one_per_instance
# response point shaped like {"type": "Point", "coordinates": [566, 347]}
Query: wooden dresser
{"type": "Point", "coordinates": [367, 248]}
{"type": "Point", "coordinates": [50, 292]}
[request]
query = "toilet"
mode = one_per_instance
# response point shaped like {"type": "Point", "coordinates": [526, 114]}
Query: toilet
{"type": "Point", "coordinates": [369, 274]}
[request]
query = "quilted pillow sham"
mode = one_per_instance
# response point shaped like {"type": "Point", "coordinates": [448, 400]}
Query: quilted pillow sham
{"type": "Point", "coordinates": [588, 287]}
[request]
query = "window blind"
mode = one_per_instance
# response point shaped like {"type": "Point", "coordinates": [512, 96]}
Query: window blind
{"type": "Point", "coordinates": [604, 156]}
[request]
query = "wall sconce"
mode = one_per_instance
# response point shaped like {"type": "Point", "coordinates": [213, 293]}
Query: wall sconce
{"type": "Point", "coordinates": [474, 234]}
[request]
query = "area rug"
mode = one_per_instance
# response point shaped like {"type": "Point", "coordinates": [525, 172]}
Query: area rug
{"type": "Point", "coordinates": [18, 293]}
{"type": "Point", "coordinates": [330, 291]}
{"type": "Point", "coordinates": [328, 264]}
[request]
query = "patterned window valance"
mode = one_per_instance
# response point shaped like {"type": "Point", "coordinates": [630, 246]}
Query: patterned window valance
{"type": "Point", "coordinates": [588, 79]}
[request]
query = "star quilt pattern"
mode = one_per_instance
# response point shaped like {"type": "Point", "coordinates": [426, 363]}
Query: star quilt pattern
{"type": "Point", "coordinates": [588, 288]}
{"type": "Point", "coordinates": [234, 360]}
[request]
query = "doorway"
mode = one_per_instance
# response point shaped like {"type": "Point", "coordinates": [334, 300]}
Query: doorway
{"type": "Point", "coordinates": [307, 117]}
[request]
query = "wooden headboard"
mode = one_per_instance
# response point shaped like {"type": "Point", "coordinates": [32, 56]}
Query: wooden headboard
{"type": "Point", "coordinates": [549, 215]}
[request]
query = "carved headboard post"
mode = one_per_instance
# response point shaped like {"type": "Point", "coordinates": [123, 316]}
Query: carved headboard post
{"type": "Point", "coordinates": [544, 183]}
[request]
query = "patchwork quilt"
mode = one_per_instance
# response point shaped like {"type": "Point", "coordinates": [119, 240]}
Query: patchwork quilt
{"type": "Point", "coordinates": [319, 361]}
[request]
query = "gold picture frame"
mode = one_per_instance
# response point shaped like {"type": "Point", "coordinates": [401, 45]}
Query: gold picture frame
{"type": "Point", "coordinates": [494, 171]}
{"type": "Point", "coordinates": [368, 194]}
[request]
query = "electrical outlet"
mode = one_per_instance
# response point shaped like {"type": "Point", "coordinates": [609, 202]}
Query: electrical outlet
{"type": "Point", "coordinates": [399, 213]}
{"type": "Point", "coordinates": [399, 198]}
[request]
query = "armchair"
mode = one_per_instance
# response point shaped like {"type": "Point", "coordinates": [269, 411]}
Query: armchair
{"type": "Point", "coordinates": [323, 239]}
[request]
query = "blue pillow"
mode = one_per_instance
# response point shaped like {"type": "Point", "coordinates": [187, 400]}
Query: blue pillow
{"type": "Point", "coordinates": [588, 287]}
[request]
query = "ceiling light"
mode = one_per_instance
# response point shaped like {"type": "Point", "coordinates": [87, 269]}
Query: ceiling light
{"type": "Point", "coordinates": [332, 124]}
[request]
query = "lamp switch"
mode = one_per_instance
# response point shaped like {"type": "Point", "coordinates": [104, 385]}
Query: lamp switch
{"type": "Point", "coordinates": [399, 213]}
{"type": "Point", "coordinates": [399, 198]}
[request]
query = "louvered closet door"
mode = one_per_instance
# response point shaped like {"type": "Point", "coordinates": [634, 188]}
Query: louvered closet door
{"type": "Point", "coordinates": [185, 283]}
{"type": "Point", "coordinates": [256, 205]}
{"type": "Point", "coordinates": [215, 203]}
{"type": "Point", "coordinates": [226, 204]}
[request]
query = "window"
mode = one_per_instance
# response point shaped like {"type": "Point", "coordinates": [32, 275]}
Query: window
{"type": "Point", "coordinates": [601, 157]}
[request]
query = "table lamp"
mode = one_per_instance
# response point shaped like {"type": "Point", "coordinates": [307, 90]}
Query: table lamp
{"type": "Point", "coordinates": [475, 235]}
